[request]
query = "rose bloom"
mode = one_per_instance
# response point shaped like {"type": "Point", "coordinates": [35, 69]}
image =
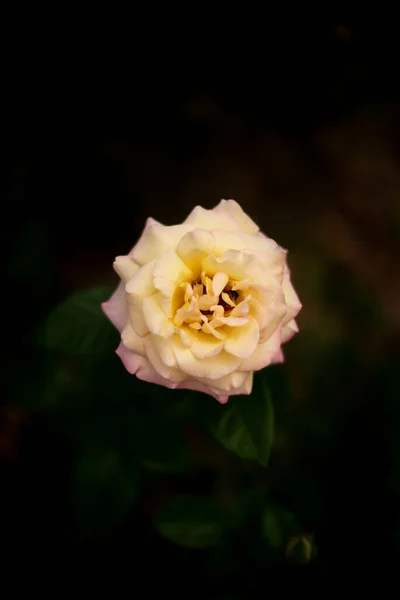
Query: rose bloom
{"type": "Point", "coordinates": [204, 304]}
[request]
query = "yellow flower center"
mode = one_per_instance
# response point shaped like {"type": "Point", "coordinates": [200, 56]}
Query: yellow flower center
{"type": "Point", "coordinates": [209, 304]}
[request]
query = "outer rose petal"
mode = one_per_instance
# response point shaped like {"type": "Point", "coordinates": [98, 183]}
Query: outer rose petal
{"type": "Point", "coordinates": [264, 354]}
{"type": "Point", "coordinates": [292, 300]}
{"type": "Point", "coordinates": [289, 330]}
{"type": "Point", "coordinates": [267, 252]}
{"type": "Point", "coordinates": [115, 308]}
{"type": "Point", "coordinates": [234, 210]}
{"type": "Point", "coordinates": [201, 218]}
{"type": "Point", "coordinates": [212, 368]}
{"type": "Point", "coordinates": [126, 267]}
{"type": "Point", "coordinates": [156, 239]}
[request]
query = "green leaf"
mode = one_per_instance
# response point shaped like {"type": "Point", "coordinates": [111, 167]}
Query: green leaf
{"type": "Point", "coordinates": [278, 525]}
{"type": "Point", "coordinates": [245, 425]}
{"type": "Point", "coordinates": [104, 489]}
{"type": "Point", "coordinates": [193, 522]}
{"type": "Point", "coordinates": [78, 325]}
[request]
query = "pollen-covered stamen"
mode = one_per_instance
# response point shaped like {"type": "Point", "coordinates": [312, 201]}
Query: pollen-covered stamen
{"type": "Point", "coordinates": [211, 303]}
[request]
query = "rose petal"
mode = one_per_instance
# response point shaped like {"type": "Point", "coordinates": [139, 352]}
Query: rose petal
{"type": "Point", "coordinates": [242, 341]}
{"type": "Point", "coordinates": [263, 354]}
{"type": "Point", "coordinates": [212, 368]}
{"type": "Point", "coordinates": [115, 307]}
{"type": "Point", "coordinates": [155, 318]}
{"type": "Point", "coordinates": [206, 346]}
{"type": "Point", "coordinates": [202, 218]}
{"type": "Point", "coordinates": [132, 340]}
{"type": "Point", "coordinates": [126, 267]}
{"type": "Point", "coordinates": [232, 209]}
{"type": "Point", "coordinates": [289, 330]}
{"type": "Point", "coordinates": [169, 271]}
{"type": "Point", "coordinates": [219, 282]}
{"type": "Point", "coordinates": [156, 239]}
{"type": "Point", "coordinates": [194, 247]}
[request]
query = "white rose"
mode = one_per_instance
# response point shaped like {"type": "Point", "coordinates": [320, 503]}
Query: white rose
{"type": "Point", "coordinates": [204, 304]}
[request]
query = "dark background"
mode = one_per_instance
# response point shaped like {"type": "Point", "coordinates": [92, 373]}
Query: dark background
{"type": "Point", "coordinates": [300, 125]}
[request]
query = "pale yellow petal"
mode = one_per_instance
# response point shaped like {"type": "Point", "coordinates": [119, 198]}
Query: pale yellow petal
{"type": "Point", "coordinates": [206, 346]}
{"type": "Point", "coordinates": [141, 285]}
{"type": "Point", "coordinates": [169, 373]}
{"type": "Point", "coordinates": [155, 318]}
{"type": "Point", "coordinates": [194, 247]}
{"type": "Point", "coordinates": [169, 271]}
{"type": "Point", "coordinates": [232, 209]}
{"type": "Point", "coordinates": [211, 219]}
{"type": "Point", "coordinates": [242, 341]}
{"type": "Point", "coordinates": [238, 265]}
{"type": "Point", "coordinates": [264, 354]}
{"type": "Point", "coordinates": [219, 282]}
{"type": "Point", "coordinates": [212, 368]}
{"type": "Point", "coordinates": [126, 267]}
{"type": "Point", "coordinates": [292, 300]}
{"type": "Point", "coordinates": [132, 340]}
{"type": "Point", "coordinates": [156, 239]}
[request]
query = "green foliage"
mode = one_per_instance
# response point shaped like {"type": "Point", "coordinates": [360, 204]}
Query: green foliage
{"type": "Point", "coordinates": [245, 425]}
{"type": "Point", "coordinates": [192, 522]}
{"type": "Point", "coordinates": [278, 525]}
{"type": "Point", "coordinates": [78, 325]}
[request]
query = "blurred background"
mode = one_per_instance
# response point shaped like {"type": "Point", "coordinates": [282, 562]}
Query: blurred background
{"type": "Point", "coordinates": [300, 125]}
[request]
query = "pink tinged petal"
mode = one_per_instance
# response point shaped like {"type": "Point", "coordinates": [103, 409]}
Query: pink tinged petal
{"type": "Point", "coordinates": [141, 367]}
{"type": "Point", "coordinates": [170, 271]}
{"type": "Point", "coordinates": [264, 354]}
{"type": "Point", "coordinates": [156, 239]}
{"type": "Point", "coordinates": [278, 358]}
{"type": "Point", "coordinates": [219, 282]}
{"type": "Point", "coordinates": [242, 341]}
{"type": "Point", "coordinates": [289, 330]}
{"type": "Point", "coordinates": [115, 308]}
{"type": "Point", "coordinates": [198, 386]}
{"type": "Point", "coordinates": [222, 399]}
{"type": "Point", "coordinates": [292, 301]}
{"type": "Point", "coordinates": [155, 318]}
{"type": "Point", "coordinates": [131, 361]}
{"type": "Point", "coordinates": [132, 340]}
{"type": "Point", "coordinates": [126, 267]}
{"type": "Point", "coordinates": [232, 209]}
{"type": "Point", "coordinates": [194, 247]}
{"type": "Point", "coordinates": [202, 218]}
{"type": "Point", "coordinates": [212, 368]}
